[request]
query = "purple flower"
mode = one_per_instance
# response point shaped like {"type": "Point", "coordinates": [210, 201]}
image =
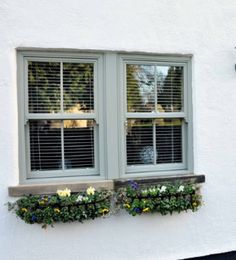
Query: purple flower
{"type": "Point", "coordinates": [33, 218]}
{"type": "Point", "coordinates": [137, 210]}
{"type": "Point", "coordinates": [133, 184]}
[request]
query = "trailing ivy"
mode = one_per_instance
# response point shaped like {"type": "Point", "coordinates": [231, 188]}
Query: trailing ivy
{"type": "Point", "coordinates": [62, 207]}
{"type": "Point", "coordinates": [162, 199]}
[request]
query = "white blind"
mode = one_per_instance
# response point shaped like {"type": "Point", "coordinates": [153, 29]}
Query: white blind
{"type": "Point", "coordinates": [44, 87]}
{"type": "Point", "coordinates": [154, 141]}
{"type": "Point", "coordinates": [54, 88]}
{"type": "Point", "coordinates": [154, 88]}
{"type": "Point", "coordinates": [61, 144]}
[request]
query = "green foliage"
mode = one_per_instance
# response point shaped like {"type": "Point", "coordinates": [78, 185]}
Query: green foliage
{"type": "Point", "coordinates": [162, 199]}
{"type": "Point", "coordinates": [136, 200]}
{"type": "Point", "coordinates": [47, 210]}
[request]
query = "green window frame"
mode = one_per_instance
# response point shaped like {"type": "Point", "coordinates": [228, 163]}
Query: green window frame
{"type": "Point", "coordinates": [110, 117]}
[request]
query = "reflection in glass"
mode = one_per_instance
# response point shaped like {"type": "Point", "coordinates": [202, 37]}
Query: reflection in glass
{"type": "Point", "coordinates": [45, 80]}
{"type": "Point", "coordinates": [79, 144]}
{"type": "Point", "coordinates": [43, 87]}
{"type": "Point", "coordinates": [169, 141]}
{"type": "Point", "coordinates": [50, 138]}
{"type": "Point", "coordinates": [154, 88]}
{"type": "Point", "coordinates": [78, 87]}
{"type": "Point", "coordinates": [140, 88]}
{"type": "Point", "coordinates": [45, 145]}
{"type": "Point", "coordinates": [155, 141]}
{"type": "Point", "coordinates": [139, 142]}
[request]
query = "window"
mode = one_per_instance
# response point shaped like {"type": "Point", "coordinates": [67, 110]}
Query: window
{"type": "Point", "coordinates": [103, 116]}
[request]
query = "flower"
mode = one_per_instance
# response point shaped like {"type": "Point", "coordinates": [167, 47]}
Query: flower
{"type": "Point", "coordinates": [64, 193]}
{"type": "Point", "coordinates": [133, 184]}
{"type": "Point", "coordinates": [24, 209]}
{"type": "Point", "coordinates": [33, 218]}
{"type": "Point", "coordinates": [181, 188]}
{"type": "Point", "coordinates": [194, 204]}
{"type": "Point", "coordinates": [79, 198]}
{"type": "Point", "coordinates": [90, 191]}
{"type": "Point", "coordinates": [138, 210]}
{"type": "Point", "coordinates": [127, 205]}
{"type": "Point", "coordinates": [153, 191]}
{"type": "Point", "coordinates": [85, 198]}
{"type": "Point", "coordinates": [57, 210]}
{"type": "Point", "coordinates": [162, 189]}
{"type": "Point", "coordinates": [41, 202]}
{"type": "Point", "coordinates": [144, 192]}
{"type": "Point", "coordinates": [146, 209]}
{"type": "Point", "coordinates": [105, 211]}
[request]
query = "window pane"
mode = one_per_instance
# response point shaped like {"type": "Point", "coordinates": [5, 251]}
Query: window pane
{"type": "Point", "coordinates": [43, 87]}
{"type": "Point", "coordinates": [154, 88]}
{"type": "Point", "coordinates": [140, 88]}
{"type": "Point", "coordinates": [45, 145]}
{"type": "Point", "coordinates": [78, 87]}
{"type": "Point", "coordinates": [47, 138]}
{"type": "Point", "coordinates": [169, 83]}
{"type": "Point", "coordinates": [168, 140]}
{"type": "Point", "coordinates": [79, 144]}
{"type": "Point", "coordinates": [155, 141]}
{"type": "Point", "coordinates": [139, 142]}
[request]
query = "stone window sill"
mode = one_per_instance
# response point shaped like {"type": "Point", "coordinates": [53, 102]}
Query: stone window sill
{"type": "Point", "coordinates": [47, 189]}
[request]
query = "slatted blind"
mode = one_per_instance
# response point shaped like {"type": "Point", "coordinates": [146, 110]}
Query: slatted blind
{"type": "Point", "coordinates": [156, 141]}
{"type": "Point", "coordinates": [44, 87]}
{"type": "Point", "coordinates": [78, 87]}
{"type": "Point", "coordinates": [154, 88]}
{"type": "Point", "coordinates": [58, 88]}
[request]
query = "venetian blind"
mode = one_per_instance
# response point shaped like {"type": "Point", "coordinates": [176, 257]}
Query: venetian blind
{"type": "Point", "coordinates": [58, 88]}
{"type": "Point", "coordinates": [153, 89]}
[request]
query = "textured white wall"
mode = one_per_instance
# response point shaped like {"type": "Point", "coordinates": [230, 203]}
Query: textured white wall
{"type": "Point", "coordinates": [204, 28]}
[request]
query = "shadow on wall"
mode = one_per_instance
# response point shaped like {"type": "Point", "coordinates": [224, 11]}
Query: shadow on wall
{"type": "Point", "coordinates": [224, 256]}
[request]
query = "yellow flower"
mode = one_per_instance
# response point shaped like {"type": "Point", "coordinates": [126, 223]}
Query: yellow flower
{"type": "Point", "coordinates": [146, 209]}
{"type": "Point", "coordinates": [105, 211]}
{"type": "Point", "coordinates": [41, 202]}
{"type": "Point", "coordinates": [24, 209]}
{"type": "Point", "coordinates": [194, 204]}
{"type": "Point", "coordinates": [90, 191]}
{"type": "Point", "coordinates": [127, 205]}
{"type": "Point", "coordinates": [57, 210]}
{"type": "Point", "coordinates": [64, 193]}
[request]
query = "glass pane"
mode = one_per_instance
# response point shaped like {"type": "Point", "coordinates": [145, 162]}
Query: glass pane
{"type": "Point", "coordinates": [78, 87]}
{"type": "Point", "coordinates": [140, 88]}
{"type": "Point", "coordinates": [43, 87]}
{"type": "Point", "coordinates": [45, 145]}
{"type": "Point", "coordinates": [168, 140]}
{"type": "Point", "coordinates": [169, 83]}
{"type": "Point", "coordinates": [139, 142]}
{"type": "Point", "coordinates": [154, 88]}
{"type": "Point", "coordinates": [79, 144]}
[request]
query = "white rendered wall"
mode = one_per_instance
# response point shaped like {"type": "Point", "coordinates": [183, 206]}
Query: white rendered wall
{"type": "Point", "coordinates": [204, 28]}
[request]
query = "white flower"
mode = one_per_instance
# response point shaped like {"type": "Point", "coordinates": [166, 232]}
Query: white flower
{"type": "Point", "coordinates": [162, 189]}
{"type": "Point", "coordinates": [79, 199]}
{"type": "Point", "coordinates": [145, 192]}
{"type": "Point", "coordinates": [64, 193]}
{"type": "Point", "coordinates": [90, 191]}
{"type": "Point", "coordinates": [181, 188]}
{"type": "Point", "coordinates": [152, 190]}
{"type": "Point", "coordinates": [85, 199]}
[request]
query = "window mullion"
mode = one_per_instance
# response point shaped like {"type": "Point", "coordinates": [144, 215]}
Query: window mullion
{"type": "Point", "coordinates": [154, 142]}
{"type": "Point", "coordinates": [62, 145]}
{"type": "Point", "coordinates": [61, 86]}
{"type": "Point", "coordinates": [155, 89]}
